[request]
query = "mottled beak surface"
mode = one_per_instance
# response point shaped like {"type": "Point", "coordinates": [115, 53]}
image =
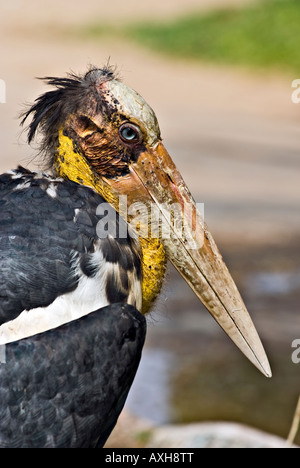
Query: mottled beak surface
{"type": "Point", "coordinates": [173, 217]}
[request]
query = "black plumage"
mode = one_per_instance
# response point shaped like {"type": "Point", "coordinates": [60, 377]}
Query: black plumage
{"type": "Point", "coordinates": [47, 227]}
{"type": "Point", "coordinates": [59, 389]}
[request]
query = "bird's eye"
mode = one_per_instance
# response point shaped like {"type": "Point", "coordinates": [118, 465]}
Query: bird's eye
{"type": "Point", "coordinates": [130, 133]}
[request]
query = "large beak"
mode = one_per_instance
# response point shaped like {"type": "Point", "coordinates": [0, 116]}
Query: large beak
{"type": "Point", "coordinates": [190, 246]}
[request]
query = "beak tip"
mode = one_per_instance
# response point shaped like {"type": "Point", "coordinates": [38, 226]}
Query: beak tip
{"type": "Point", "coordinates": [266, 370]}
{"type": "Point", "coordinates": [261, 361]}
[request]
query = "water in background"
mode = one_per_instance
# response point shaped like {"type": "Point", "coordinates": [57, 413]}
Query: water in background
{"type": "Point", "coordinates": [190, 371]}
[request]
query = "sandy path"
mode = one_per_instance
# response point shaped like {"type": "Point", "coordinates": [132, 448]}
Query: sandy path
{"type": "Point", "coordinates": [234, 136]}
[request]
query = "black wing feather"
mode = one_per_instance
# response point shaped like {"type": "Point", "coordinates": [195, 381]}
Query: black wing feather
{"type": "Point", "coordinates": [65, 388]}
{"type": "Point", "coordinates": [41, 236]}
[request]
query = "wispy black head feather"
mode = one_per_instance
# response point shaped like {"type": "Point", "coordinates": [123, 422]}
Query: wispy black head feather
{"type": "Point", "coordinates": [51, 109]}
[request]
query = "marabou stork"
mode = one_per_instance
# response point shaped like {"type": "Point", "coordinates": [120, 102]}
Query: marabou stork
{"type": "Point", "coordinates": [83, 252]}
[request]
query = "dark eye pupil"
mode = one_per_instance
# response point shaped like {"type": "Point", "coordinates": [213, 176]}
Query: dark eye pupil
{"type": "Point", "coordinates": [129, 133]}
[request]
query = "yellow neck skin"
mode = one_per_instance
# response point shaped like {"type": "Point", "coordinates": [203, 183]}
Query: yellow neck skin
{"type": "Point", "coordinates": [73, 166]}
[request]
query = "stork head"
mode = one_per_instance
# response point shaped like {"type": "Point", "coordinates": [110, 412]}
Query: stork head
{"type": "Point", "coordinates": [98, 131]}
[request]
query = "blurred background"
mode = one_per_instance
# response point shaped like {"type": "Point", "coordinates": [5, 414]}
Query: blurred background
{"type": "Point", "coordinates": [219, 75]}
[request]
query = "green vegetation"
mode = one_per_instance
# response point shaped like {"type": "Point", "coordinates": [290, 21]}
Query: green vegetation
{"type": "Point", "coordinates": [263, 35]}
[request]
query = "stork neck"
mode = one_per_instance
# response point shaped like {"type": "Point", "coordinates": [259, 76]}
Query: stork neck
{"type": "Point", "coordinates": [72, 165]}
